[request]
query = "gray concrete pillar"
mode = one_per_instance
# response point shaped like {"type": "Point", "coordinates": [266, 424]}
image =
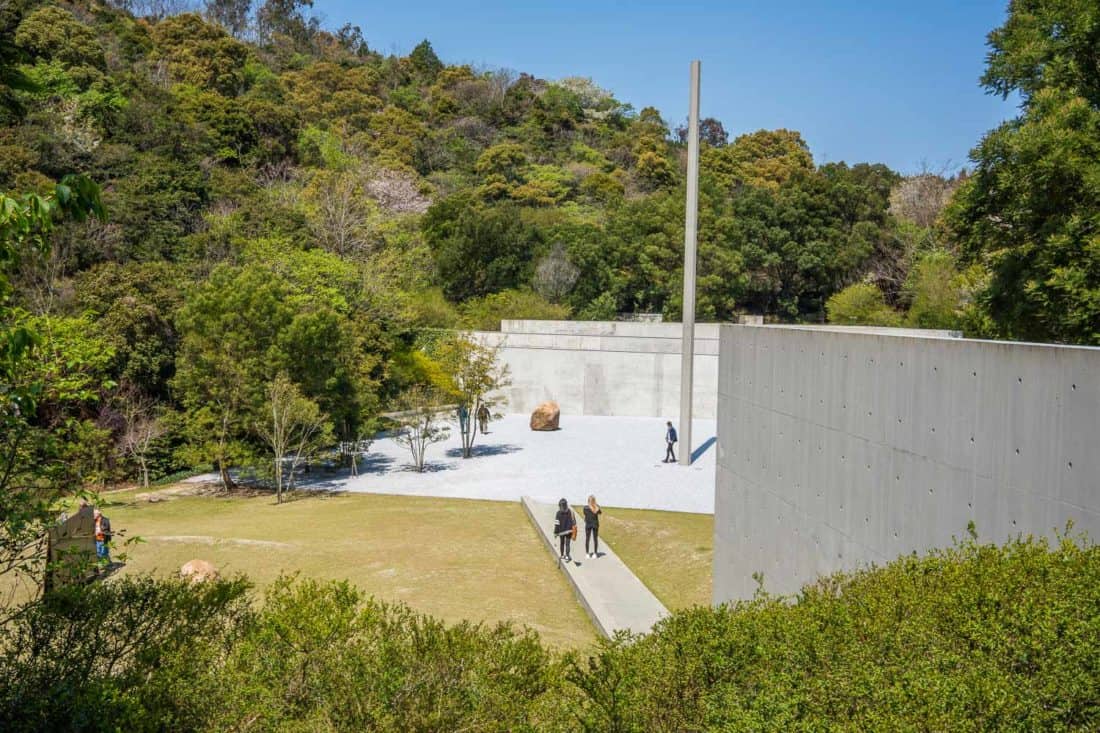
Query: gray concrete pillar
{"type": "Point", "coordinates": [687, 343]}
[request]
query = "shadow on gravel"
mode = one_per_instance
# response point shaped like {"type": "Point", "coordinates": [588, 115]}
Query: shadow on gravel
{"type": "Point", "coordinates": [486, 450]}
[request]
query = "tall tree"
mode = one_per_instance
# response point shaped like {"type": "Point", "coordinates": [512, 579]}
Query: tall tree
{"type": "Point", "coordinates": [1031, 211]}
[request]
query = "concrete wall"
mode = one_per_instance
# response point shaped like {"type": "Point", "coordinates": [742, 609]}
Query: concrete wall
{"type": "Point", "coordinates": [605, 367]}
{"type": "Point", "coordinates": [841, 448]}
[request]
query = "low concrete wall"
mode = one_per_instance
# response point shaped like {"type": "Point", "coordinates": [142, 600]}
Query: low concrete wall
{"type": "Point", "coordinates": [839, 448]}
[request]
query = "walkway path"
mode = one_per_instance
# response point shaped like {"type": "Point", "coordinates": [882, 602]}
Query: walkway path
{"type": "Point", "coordinates": [606, 587]}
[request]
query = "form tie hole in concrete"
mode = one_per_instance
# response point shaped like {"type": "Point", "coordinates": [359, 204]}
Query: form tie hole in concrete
{"type": "Point", "coordinates": [1073, 387]}
{"type": "Point", "coordinates": [973, 374]}
{"type": "Point", "coordinates": [933, 430]}
{"type": "Point", "coordinates": [969, 505]}
{"type": "Point", "coordinates": [1070, 464]}
{"type": "Point", "coordinates": [931, 491]}
{"type": "Point", "coordinates": [971, 438]}
{"type": "Point", "coordinates": [868, 413]}
{"type": "Point", "coordinates": [1020, 380]}
{"type": "Point", "coordinates": [1017, 451]}
{"type": "Point", "coordinates": [898, 477]}
{"type": "Point", "coordinates": [899, 421]}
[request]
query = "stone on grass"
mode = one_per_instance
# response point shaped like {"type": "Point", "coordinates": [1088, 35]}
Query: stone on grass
{"type": "Point", "coordinates": [198, 571]}
{"type": "Point", "coordinates": [546, 416]}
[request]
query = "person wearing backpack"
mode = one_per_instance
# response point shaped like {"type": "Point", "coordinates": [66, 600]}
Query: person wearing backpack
{"type": "Point", "coordinates": [565, 527]}
{"type": "Point", "coordinates": [102, 537]}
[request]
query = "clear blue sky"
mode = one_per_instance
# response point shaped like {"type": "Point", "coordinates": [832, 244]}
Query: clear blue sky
{"type": "Point", "coordinates": [863, 80]}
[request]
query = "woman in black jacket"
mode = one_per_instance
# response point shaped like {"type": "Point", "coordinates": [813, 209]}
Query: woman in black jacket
{"type": "Point", "coordinates": [592, 514]}
{"type": "Point", "coordinates": [563, 528]}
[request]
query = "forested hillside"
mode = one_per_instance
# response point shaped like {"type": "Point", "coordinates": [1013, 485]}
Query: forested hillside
{"type": "Point", "coordinates": [282, 199]}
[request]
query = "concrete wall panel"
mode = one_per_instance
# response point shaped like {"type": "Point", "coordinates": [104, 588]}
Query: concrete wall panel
{"type": "Point", "coordinates": [605, 368]}
{"type": "Point", "coordinates": [839, 448]}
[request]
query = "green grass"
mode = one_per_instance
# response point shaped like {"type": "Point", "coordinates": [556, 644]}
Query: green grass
{"type": "Point", "coordinates": [454, 559]}
{"type": "Point", "coordinates": [671, 552]}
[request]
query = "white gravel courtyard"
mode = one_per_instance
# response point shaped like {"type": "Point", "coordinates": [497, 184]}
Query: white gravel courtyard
{"type": "Point", "coordinates": [616, 458]}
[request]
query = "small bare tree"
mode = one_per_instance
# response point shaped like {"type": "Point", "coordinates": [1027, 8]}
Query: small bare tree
{"type": "Point", "coordinates": [555, 275]}
{"type": "Point", "coordinates": [475, 372]}
{"type": "Point", "coordinates": [142, 427]}
{"type": "Point", "coordinates": [420, 422]}
{"type": "Point", "coordinates": [295, 427]}
{"type": "Point", "coordinates": [339, 212]}
{"type": "Point", "coordinates": [922, 197]}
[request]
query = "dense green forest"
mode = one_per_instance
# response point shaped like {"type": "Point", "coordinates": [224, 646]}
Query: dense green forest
{"type": "Point", "coordinates": [283, 200]}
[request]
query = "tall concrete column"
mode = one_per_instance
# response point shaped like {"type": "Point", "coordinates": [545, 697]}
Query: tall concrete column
{"type": "Point", "coordinates": [687, 342]}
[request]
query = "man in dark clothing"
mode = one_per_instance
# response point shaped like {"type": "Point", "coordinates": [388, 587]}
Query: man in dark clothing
{"type": "Point", "coordinates": [670, 440]}
{"type": "Point", "coordinates": [563, 528]}
{"type": "Point", "coordinates": [483, 418]}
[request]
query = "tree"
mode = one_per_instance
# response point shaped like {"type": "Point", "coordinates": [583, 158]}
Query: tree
{"type": "Point", "coordinates": [424, 61]}
{"type": "Point", "coordinates": [419, 422]}
{"type": "Point", "coordinates": [141, 427]}
{"type": "Point", "coordinates": [711, 132]}
{"type": "Point", "coordinates": [1031, 210]}
{"type": "Point", "coordinates": [474, 373]}
{"type": "Point", "coordinates": [29, 478]}
{"type": "Point", "coordinates": [229, 14]}
{"type": "Point", "coordinates": [555, 275]}
{"type": "Point", "coordinates": [479, 249]}
{"type": "Point", "coordinates": [339, 212]}
{"type": "Point", "coordinates": [921, 198]}
{"type": "Point", "coordinates": [294, 426]}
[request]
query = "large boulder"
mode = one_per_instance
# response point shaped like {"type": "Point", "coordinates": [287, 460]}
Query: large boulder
{"type": "Point", "coordinates": [546, 416]}
{"type": "Point", "coordinates": [198, 571]}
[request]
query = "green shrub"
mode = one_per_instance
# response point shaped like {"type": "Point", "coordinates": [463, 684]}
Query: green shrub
{"type": "Point", "coordinates": [977, 637]}
{"type": "Point", "coordinates": [861, 304]}
{"type": "Point", "coordinates": [485, 314]}
{"type": "Point", "coordinates": [973, 638]}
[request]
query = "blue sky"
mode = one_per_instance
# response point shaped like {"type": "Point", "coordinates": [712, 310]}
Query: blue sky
{"type": "Point", "coordinates": [876, 80]}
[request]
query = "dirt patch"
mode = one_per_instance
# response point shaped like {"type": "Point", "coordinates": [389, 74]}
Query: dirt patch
{"type": "Point", "coordinates": [203, 539]}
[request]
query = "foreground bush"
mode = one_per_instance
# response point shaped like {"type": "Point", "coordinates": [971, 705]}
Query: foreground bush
{"type": "Point", "coordinates": [977, 637]}
{"type": "Point", "coordinates": [973, 638]}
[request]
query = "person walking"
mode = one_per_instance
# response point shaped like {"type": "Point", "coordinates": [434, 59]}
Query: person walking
{"type": "Point", "coordinates": [564, 526]}
{"type": "Point", "coordinates": [483, 418]}
{"type": "Point", "coordinates": [670, 441]}
{"type": "Point", "coordinates": [102, 537]}
{"type": "Point", "coordinates": [592, 514]}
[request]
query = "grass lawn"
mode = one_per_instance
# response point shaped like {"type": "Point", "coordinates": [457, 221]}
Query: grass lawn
{"type": "Point", "coordinates": [671, 552]}
{"type": "Point", "coordinates": [454, 559]}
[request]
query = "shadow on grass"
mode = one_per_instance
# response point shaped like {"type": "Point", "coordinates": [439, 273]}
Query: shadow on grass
{"type": "Point", "coordinates": [486, 450]}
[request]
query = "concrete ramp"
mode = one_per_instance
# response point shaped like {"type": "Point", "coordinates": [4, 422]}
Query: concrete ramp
{"type": "Point", "coordinates": [610, 593]}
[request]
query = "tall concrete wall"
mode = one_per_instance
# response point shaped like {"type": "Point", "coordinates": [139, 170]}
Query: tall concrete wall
{"type": "Point", "coordinates": [605, 367]}
{"type": "Point", "coordinates": [838, 449]}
